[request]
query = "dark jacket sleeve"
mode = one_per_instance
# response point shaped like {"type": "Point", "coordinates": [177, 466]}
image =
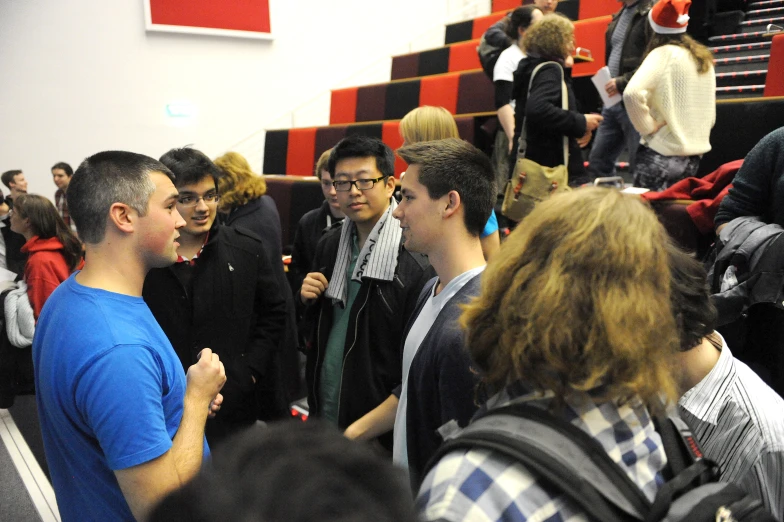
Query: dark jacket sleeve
{"type": "Point", "coordinates": [503, 93]}
{"type": "Point", "coordinates": [300, 257]}
{"type": "Point", "coordinates": [271, 315]}
{"type": "Point", "coordinates": [755, 185]}
{"type": "Point", "coordinates": [496, 34]}
{"type": "Point", "coordinates": [543, 108]}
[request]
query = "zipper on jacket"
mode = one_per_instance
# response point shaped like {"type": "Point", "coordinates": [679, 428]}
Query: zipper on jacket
{"type": "Point", "coordinates": [353, 343]}
{"type": "Point", "coordinates": [383, 300]}
{"type": "Point", "coordinates": [318, 355]}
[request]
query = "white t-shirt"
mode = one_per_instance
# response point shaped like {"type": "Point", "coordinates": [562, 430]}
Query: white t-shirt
{"type": "Point", "coordinates": [420, 328]}
{"type": "Point", "coordinates": [507, 63]}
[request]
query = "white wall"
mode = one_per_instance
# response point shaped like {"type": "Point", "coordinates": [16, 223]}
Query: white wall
{"type": "Point", "coordinates": [80, 76]}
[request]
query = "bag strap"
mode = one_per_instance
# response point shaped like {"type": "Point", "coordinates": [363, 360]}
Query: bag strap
{"type": "Point", "coordinates": [522, 144]}
{"type": "Point", "coordinates": [559, 452]}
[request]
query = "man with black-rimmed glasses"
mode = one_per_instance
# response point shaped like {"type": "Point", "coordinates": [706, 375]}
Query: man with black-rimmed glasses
{"type": "Point", "coordinates": [361, 291]}
{"type": "Point", "coordinates": [222, 293]}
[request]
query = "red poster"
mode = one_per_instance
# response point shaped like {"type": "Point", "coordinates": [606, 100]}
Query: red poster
{"type": "Point", "coordinates": [244, 18]}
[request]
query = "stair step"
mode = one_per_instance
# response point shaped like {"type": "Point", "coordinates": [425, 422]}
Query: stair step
{"type": "Point", "coordinates": [744, 91]}
{"type": "Point", "coordinates": [753, 47]}
{"type": "Point", "coordinates": [763, 13]}
{"type": "Point", "coordinates": [765, 4]}
{"type": "Point", "coordinates": [741, 63]}
{"type": "Point", "coordinates": [742, 78]}
{"type": "Point", "coordinates": [738, 37]}
{"type": "Point", "coordinates": [761, 24]}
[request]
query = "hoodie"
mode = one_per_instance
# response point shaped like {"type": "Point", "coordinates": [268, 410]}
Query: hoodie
{"type": "Point", "coordinates": [45, 269]}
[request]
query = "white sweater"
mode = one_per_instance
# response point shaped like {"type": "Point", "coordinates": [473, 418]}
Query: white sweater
{"type": "Point", "coordinates": [667, 88]}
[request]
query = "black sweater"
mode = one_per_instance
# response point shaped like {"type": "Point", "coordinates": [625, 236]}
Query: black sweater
{"type": "Point", "coordinates": [758, 187]}
{"type": "Point", "coordinates": [546, 121]}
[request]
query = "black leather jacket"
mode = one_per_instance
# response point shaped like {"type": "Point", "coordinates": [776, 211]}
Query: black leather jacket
{"type": "Point", "coordinates": [372, 361]}
{"type": "Point", "coordinates": [638, 34]}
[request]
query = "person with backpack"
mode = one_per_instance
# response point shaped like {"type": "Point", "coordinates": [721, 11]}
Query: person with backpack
{"type": "Point", "coordinates": [573, 319]}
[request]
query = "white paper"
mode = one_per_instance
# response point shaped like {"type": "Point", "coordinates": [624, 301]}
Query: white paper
{"type": "Point", "coordinates": [599, 80]}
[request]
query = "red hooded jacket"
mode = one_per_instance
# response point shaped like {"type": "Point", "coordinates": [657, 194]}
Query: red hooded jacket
{"type": "Point", "coordinates": [45, 269]}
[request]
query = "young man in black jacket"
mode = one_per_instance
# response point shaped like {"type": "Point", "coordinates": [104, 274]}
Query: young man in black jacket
{"type": "Point", "coordinates": [626, 38]}
{"type": "Point", "coordinates": [364, 291]}
{"type": "Point", "coordinates": [448, 193]}
{"type": "Point", "coordinates": [221, 294]}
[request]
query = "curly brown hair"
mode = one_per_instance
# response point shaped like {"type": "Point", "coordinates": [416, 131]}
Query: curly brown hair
{"type": "Point", "coordinates": [550, 38]}
{"type": "Point", "coordinates": [578, 299]}
{"type": "Point", "coordinates": [239, 184]}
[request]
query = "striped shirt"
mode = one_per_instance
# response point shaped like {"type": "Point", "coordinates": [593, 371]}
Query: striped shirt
{"type": "Point", "coordinates": [617, 39]}
{"type": "Point", "coordinates": [739, 422]}
{"type": "Point", "coordinates": [479, 485]}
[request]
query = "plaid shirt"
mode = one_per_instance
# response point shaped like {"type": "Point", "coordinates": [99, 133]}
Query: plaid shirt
{"type": "Point", "coordinates": [482, 486]}
{"type": "Point", "coordinates": [62, 207]}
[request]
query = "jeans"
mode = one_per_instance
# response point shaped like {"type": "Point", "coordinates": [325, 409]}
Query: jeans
{"type": "Point", "coordinates": [614, 133]}
{"type": "Point", "coordinates": [657, 172]}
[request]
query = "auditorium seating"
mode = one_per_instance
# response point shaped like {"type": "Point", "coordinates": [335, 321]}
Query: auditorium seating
{"type": "Point", "coordinates": [749, 65]}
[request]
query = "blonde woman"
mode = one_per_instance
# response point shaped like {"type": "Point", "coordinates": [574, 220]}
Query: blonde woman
{"type": "Point", "coordinates": [429, 123]}
{"type": "Point", "coordinates": [574, 318]}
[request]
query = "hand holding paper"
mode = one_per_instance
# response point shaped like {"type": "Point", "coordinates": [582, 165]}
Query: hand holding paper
{"type": "Point", "coordinates": [600, 81]}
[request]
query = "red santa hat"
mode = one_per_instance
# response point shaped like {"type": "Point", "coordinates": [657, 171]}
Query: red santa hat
{"type": "Point", "coordinates": [670, 16]}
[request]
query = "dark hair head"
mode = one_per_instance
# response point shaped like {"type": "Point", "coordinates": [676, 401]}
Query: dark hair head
{"type": "Point", "coordinates": [363, 147]}
{"type": "Point", "coordinates": [292, 472]}
{"type": "Point", "coordinates": [695, 314]}
{"type": "Point", "coordinates": [47, 223]}
{"type": "Point", "coordinates": [64, 166]}
{"type": "Point", "coordinates": [190, 166]}
{"type": "Point", "coordinates": [107, 178]}
{"type": "Point", "coordinates": [8, 176]}
{"type": "Point", "coordinates": [520, 19]}
{"type": "Point", "coordinates": [453, 164]}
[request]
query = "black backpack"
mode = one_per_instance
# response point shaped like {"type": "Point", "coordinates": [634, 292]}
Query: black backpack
{"type": "Point", "coordinates": [569, 459]}
{"type": "Point", "coordinates": [488, 54]}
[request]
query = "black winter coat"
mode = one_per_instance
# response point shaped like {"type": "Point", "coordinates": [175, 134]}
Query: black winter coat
{"type": "Point", "coordinates": [311, 227]}
{"type": "Point", "coordinates": [372, 363]}
{"type": "Point", "coordinates": [237, 309]}
{"type": "Point", "coordinates": [546, 121]}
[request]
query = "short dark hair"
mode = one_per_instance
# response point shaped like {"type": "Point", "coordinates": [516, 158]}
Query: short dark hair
{"type": "Point", "coordinates": [295, 472]}
{"type": "Point", "coordinates": [190, 166]}
{"type": "Point", "coordinates": [64, 166]}
{"type": "Point", "coordinates": [453, 164]}
{"type": "Point", "coordinates": [107, 178]}
{"type": "Point", "coordinates": [8, 176]}
{"type": "Point", "coordinates": [520, 18]}
{"type": "Point", "coordinates": [694, 312]}
{"type": "Point", "coordinates": [363, 147]}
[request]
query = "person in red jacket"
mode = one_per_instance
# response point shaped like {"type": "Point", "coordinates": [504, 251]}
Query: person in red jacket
{"type": "Point", "coordinates": [53, 250]}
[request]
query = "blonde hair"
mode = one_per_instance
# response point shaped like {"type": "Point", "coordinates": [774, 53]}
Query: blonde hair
{"type": "Point", "coordinates": [549, 38]}
{"type": "Point", "coordinates": [322, 163]}
{"type": "Point", "coordinates": [577, 300]}
{"type": "Point", "coordinates": [428, 123]}
{"type": "Point", "coordinates": [239, 184]}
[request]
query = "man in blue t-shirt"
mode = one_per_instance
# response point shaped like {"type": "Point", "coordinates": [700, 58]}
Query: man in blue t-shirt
{"type": "Point", "coordinates": [121, 422]}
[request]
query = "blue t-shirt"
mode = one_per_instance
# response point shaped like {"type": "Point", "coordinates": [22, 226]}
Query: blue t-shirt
{"type": "Point", "coordinates": [110, 393]}
{"type": "Point", "coordinates": [491, 225]}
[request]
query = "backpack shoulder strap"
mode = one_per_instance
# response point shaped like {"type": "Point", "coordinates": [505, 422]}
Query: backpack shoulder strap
{"type": "Point", "coordinates": [559, 452]}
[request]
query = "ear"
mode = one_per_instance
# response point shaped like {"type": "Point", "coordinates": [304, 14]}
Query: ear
{"type": "Point", "coordinates": [123, 217]}
{"type": "Point", "coordinates": [453, 203]}
{"type": "Point", "coordinates": [390, 187]}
